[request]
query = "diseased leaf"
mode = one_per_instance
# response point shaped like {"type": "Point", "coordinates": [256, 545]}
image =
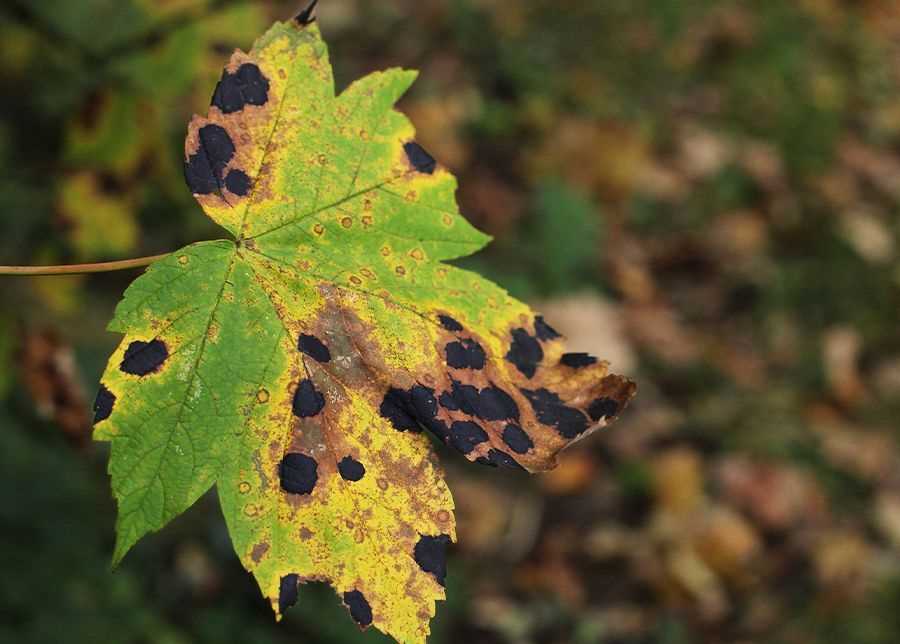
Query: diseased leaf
{"type": "Point", "coordinates": [296, 364]}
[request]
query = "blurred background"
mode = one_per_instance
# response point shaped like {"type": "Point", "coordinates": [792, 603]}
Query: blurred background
{"type": "Point", "coordinates": [703, 192]}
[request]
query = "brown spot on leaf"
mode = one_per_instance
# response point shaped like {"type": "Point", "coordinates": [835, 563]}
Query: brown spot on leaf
{"type": "Point", "coordinates": [259, 551]}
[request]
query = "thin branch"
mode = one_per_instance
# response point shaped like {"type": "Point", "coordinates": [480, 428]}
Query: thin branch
{"type": "Point", "coordinates": [77, 269]}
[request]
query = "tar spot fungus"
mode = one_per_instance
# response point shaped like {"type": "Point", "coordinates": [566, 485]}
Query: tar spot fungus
{"type": "Point", "coordinates": [449, 323]}
{"type": "Point", "coordinates": [287, 591]}
{"type": "Point", "coordinates": [298, 473]}
{"type": "Point", "coordinates": [203, 170]}
{"type": "Point", "coordinates": [142, 358]}
{"type": "Point", "coordinates": [419, 158]}
{"type": "Point", "coordinates": [516, 438]}
{"type": "Point", "coordinates": [396, 407]}
{"type": "Point", "coordinates": [424, 407]}
{"type": "Point", "coordinates": [314, 348]}
{"type": "Point", "coordinates": [551, 410]}
{"type": "Point", "coordinates": [237, 182]}
{"type": "Point", "coordinates": [524, 352]}
{"type": "Point", "coordinates": [497, 458]}
{"type": "Point", "coordinates": [466, 435]}
{"type": "Point", "coordinates": [465, 354]}
{"type": "Point", "coordinates": [577, 360]}
{"type": "Point", "coordinates": [351, 469]}
{"type": "Point", "coordinates": [103, 404]}
{"type": "Point", "coordinates": [360, 610]}
{"type": "Point", "coordinates": [307, 401]}
{"type": "Point", "coordinates": [544, 331]}
{"type": "Point", "coordinates": [603, 408]}
{"type": "Point", "coordinates": [431, 555]}
{"type": "Point", "coordinates": [247, 86]}
{"type": "Point", "coordinates": [490, 403]}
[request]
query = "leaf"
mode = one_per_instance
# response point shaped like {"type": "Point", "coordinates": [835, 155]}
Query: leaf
{"type": "Point", "coordinates": [295, 365]}
{"type": "Point", "coordinates": [101, 223]}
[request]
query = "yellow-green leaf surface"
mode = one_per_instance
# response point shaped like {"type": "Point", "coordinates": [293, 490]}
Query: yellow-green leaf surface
{"type": "Point", "coordinates": [297, 364]}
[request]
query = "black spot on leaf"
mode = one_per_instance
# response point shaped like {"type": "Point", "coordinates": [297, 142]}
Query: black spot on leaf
{"type": "Point", "coordinates": [603, 408]}
{"type": "Point", "coordinates": [397, 408]}
{"type": "Point", "coordinates": [465, 354]}
{"type": "Point", "coordinates": [431, 555]}
{"type": "Point", "coordinates": [498, 458]}
{"type": "Point", "coordinates": [142, 358]}
{"type": "Point", "coordinates": [544, 331]}
{"type": "Point", "coordinates": [449, 323]}
{"type": "Point", "coordinates": [422, 402]}
{"type": "Point", "coordinates": [516, 438]}
{"type": "Point", "coordinates": [351, 469]}
{"type": "Point", "coordinates": [203, 170]}
{"type": "Point", "coordinates": [424, 407]}
{"type": "Point", "coordinates": [287, 592]}
{"type": "Point", "coordinates": [552, 411]}
{"type": "Point", "coordinates": [103, 404]}
{"type": "Point", "coordinates": [524, 352]}
{"type": "Point", "coordinates": [307, 401]}
{"type": "Point", "coordinates": [465, 435]}
{"type": "Point", "coordinates": [448, 400]}
{"type": "Point", "coordinates": [298, 473]}
{"type": "Point", "coordinates": [308, 15]}
{"type": "Point", "coordinates": [419, 158]}
{"type": "Point", "coordinates": [409, 410]}
{"type": "Point", "coordinates": [217, 146]}
{"type": "Point", "coordinates": [314, 348]}
{"type": "Point", "coordinates": [439, 428]}
{"type": "Point", "coordinates": [496, 404]}
{"type": "Point", "coordinates": [247, 86]}
{"type": "Point", "coordinates": [360, 610]}
{"type": "Point", "coordinates": [199, 176]}
{"type": "Point", "coordinates": [237, 182]}
{"type": "Point", "coordinates": [577, 360]}
{"type": "Point", "coordinates": [490, 403]}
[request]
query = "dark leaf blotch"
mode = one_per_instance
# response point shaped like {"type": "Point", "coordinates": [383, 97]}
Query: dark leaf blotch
{"type": "Point", "coordinates": [287, 592]}
{"type": "Point", "coordinates": [431, 555]}
{"type": "Point", "coordinates": [351, 469]}
{"type": "Point", "coordinates": [544, 331]}
{"type": "Point", "coordinates": [314, 348]}
{"type": "Point", "coordinates": [498, 458]}
{"type": "Point", "coordinates": [419, 158]}
{"type": "Point", "coordinates": [524, 352]}
{"type": "Point", "coordinates": [360, 610]}
{"type": "Point", "coordinates": [603, 408]}
{"type": "Point", "coordinates": [298, 473]}
{"type": "Point", "coordinates": [449, 323]}
{"type": "Point", "coordinates": [466, 435]}
{"type": "Point", "coordinates": [308, 401]}
{"type": "Point", "coordinates": [465, 354]}
{"type": "Point", "coordinates": [397, 408]}
{"type": "Point", "coordinates": [247, 86]}
{"type": "Point", "coordinates": [517, 439]}
{"type": "Point", "coordinates": [490, 403]}
{"type": "Point", "coordinates": [103, 404]}
{"type": "Point", "coordinates": [577, 360]}
{"type": "Point", "coordinates": [552, 411]}
{"type": "Point", "coordinates": [142, 358]}
{"type": "Point", "coordinates": [237, 182]}
{"type": "Point", "coordinates": [204, 169]}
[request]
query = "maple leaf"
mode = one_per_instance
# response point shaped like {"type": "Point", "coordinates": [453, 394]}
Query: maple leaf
{"type": "Point", "coordinates": [296, 364]}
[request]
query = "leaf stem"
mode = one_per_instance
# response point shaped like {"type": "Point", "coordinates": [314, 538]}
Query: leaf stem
{"type": "Point", "coordinates": [76, 269]}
